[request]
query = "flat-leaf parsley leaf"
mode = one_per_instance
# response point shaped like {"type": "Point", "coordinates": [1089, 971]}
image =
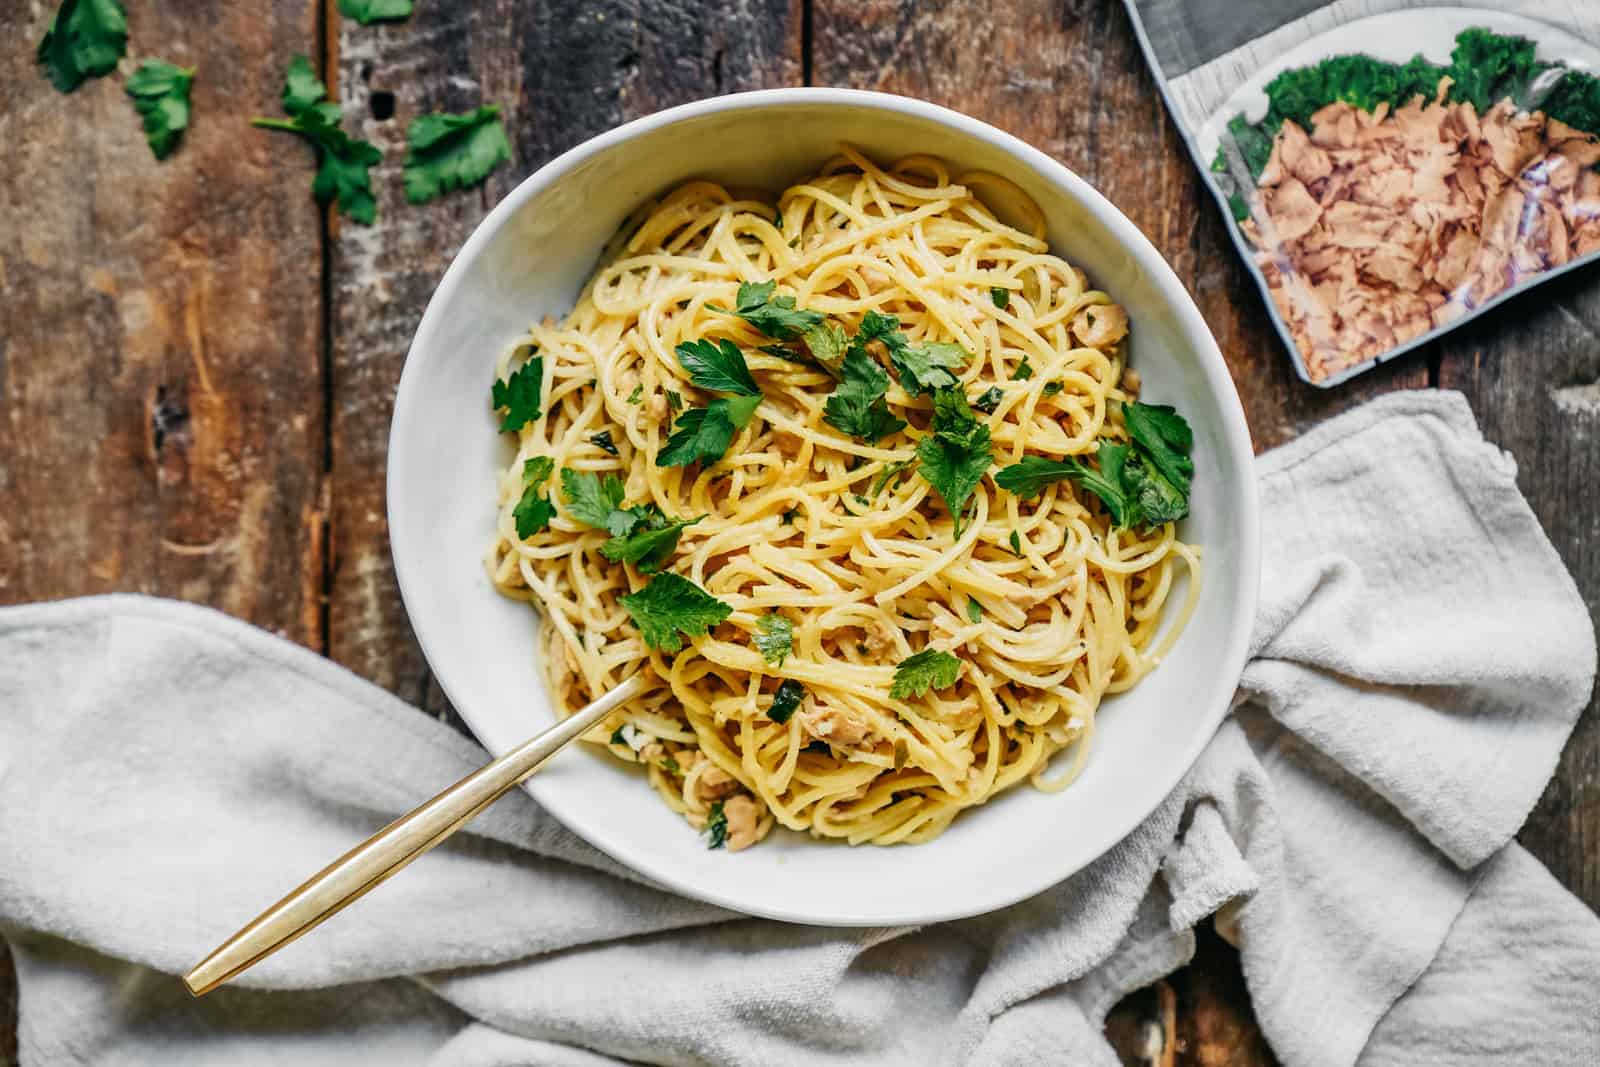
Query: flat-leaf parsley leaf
{"type": "Point", "coordinates": [857, 406]}
{"type": "Point", "coordinates": [716, 826]}
{"type": "Point", "coordinates": [928, 669]}
{"type": "Point", "coordinates": [670, 606]}
{"type": "Point", "coordinates": [718, 366]}
{"type": "Point", "coordinates": [367, 12]}
{"type": "Point", "coordinates": [776, 639]}
{"type": "Point", "coordinates": [518, 395]}
{"type": "Point", "coordinates": [160, 93]}
{"type": "Point", "coordinates": [704, 434]}
{"type": "Point", "coordinates": [343, 161]}
{"type": "Point", "coordinates": [775, 316]}
{"type": "Point", "coordinates": [85, 40]}
{"type": "Point", "coordinates": [786, 700]}
{"type": "Point", "coordinates": [956, 454]}
{"type": "Point", "coordinates": [534, 511]}
{"type": "Point", "coordinates": [453, 151]}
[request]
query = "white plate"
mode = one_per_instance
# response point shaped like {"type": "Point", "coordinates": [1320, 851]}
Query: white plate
{"type": "Point", "coordinates": [530, 257]}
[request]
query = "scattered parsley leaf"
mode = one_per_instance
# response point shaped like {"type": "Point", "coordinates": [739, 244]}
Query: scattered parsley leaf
{"type": "Point", "coordinates": [674, 401]}
{"type": "Point", "coordinates": [857, 406]}
{"type": "Point", "coordinates": [923, 369]}
{"type": "Point", "coordinates": [160, 93]}
{"type": "Point", "coordinates": [453, 151]}
{"type": "Point", "coordinates": [670, 765]}
{"type": "Point", "coordinates": [704, 434]}
{"type": "Point", "coordinates": [651, 543]}
{"type": "Point", "coordinates": [790, 515]}
{"type": "Point", "coordinates": [1164, 438]}
{"type": "Point", "coordinates": [367, 12]}
{"type": "Point", "coordinates": [603, 442]}
{"type": "Point", "coordinates": [596, 501]}
{"type": "Point", "coordinates": [85, 40]}
{"type": "Point", "coordinates": [343, 162]}
{"type": "Point", "coordinates": [637, 395]}
{"type": "Point", "coordinates": [716, 826]}
{"type": "Point", "coordinates": [974, 610]}
{"type": "Point", "coordinates": [617, 737]}
{"type": "Point", "coordinates": [1030, 475]}
{"type": "Point", "coordinates": [956, 454]}
{"type": "Point", "coordinates": [1001, 297]}
{"type": "Point", "coordinates": [989, 402]}
{"type": "Point", "coordinates": [1016, 543]}
{"type": "Point", "coordinates": [1023, 372]}
{"type": "Point", "coordinates": [826, 342]}
{"type": "Point", "coordinates": [534, 511]}
{"type": "Point", "coordinates": [892, 471]}
{"type": "Point", "coordinates": [672, 605]}
{"type": "Point", "coordinates": [1052, 388]}
{"type": "Point", "coordinates": [928, 669]}
{"type": "Point", "coordinates": [786, 700]}
{"type": "Point", "coordinates": [821, 747]}
{"type": "Point", "coordinates": [775, 316]}
{"type": "Point", "coordinates": [718, 366]}
{"type": "Point", "coordinates": [776, 639]}
{"type": "Point", "coordinates": [518, 395]}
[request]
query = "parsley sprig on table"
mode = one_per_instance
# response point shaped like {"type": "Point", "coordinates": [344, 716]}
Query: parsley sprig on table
{"type": "Point", "coordinates": [643, 535]}
{"type": "Point", "coordinates": [85, 40]}
{"type": "Point", "coordinates": [160, 93]}
{"type": "Point", "coordinates": [1145, 483]}
{"type": "Point", "coordinates": [367, 12]}
{"type": "Point", "coordinates": [343, 161]}
{"type": "Point", "coordinates": [453, 151]}
{"type": "Point", "coordinates": [672, 607]}
{"type": "Point", "coordinates": [704, 434]}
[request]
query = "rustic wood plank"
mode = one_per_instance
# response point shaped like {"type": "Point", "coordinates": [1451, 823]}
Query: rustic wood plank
{"type": "Point", "coordinates": [160, 359]}
{"type": "Point", "coordinates": [1531, 371]}
{"type": "Point", "coordinates": [559, 78]}
{"type": "Point", "coordinates": [159, 318]}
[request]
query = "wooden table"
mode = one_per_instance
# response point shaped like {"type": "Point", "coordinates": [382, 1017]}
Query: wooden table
{"type": "Point", "coordinates": [197, 365]}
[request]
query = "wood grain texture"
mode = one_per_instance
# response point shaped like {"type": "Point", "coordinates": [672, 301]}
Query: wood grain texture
{"type": "Point", "coordinates": [1531, 371]}
{"type": "Point", "coordinates": [159, 373]}
{"type": "Point", "coordinates": [560, 76]}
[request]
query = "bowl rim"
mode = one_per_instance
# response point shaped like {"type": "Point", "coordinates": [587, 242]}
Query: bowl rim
{"type": "Point", "coordinates": [1235, 431]}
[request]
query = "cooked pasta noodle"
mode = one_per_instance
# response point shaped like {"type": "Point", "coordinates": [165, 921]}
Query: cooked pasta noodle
{"type": "Point", "coordinates": [1047, 605]}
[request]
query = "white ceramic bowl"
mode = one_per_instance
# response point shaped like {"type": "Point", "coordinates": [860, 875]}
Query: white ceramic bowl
{"type": "Point", "coordinates": [530, 257]}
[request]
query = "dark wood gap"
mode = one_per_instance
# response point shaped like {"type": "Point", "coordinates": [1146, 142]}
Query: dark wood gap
{"type": "Point", "coordinates": [328, 63]}
{"type": "Point", "coordinates": [805, 42]}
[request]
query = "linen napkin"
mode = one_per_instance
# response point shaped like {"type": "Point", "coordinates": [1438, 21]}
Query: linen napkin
{"type": "Point", "coordinates": [1420, 658]}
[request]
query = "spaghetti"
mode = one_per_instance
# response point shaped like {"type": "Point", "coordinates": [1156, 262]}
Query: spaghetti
{"type": "Point", "coordinates": [834, 556]}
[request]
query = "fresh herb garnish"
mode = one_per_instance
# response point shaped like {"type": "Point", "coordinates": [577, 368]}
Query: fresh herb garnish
{"type": "Point", "coordinates": [820, 747]}
{"type": "Point", "coordinates": [453, 151]}
{"type": "Point", "coordinates": [928, 669]}
{"type": "Point", "coordinates": [343, 161]}
{"type": "Point", "coordinates": [1143, 484]}
{"type": "Point", "coordinates": [534, 511]}
{"type": "Point", "coordinates": [705, 433]}
{"type": "Point", "coordinates": [776, 639]}
{"type": "Point", "coordinates": [642, 535]}
{"type": "Point", "coordinates": [1015, 541]}
{"type": "Point", "coordinates": [718, 366]}
{"type": "Point", "coordinates": [603, 442]}
{"type": "Point", "coordinates": [1001, 297]}
{"type": "Point", "coordinates": [670, 606]}
{"type": "Point", "coordinates": [1052, 388]}
{"type": "Point", "coordinates": [857, 406]}
{"type": "Point", "coordinates": [670, 765]}
{"type": "Point", "coordinates": [827, 343]}
{"type": "Point", "coordinates": [923, 369]}
{"type": "Point", "coordinates": [651, 542]}
{"type": "Point", "coordinates": [518, 395]}
{"type": "Point", "coordinates": [367, 12]}
{"type": "Point", "coordinates": [160, 93]}
{"type": "Point", "coordinates": [716, 826]}
{"type": "Point", "coordinates": [85, 40]}
{"type": "Point", "coordinates": [790, 515]}
{"type": "Point", "coordinates": [956, 454]}
{"type": "Point", "coordinates": [786, 700]}
{"type": "Point", "coordinates": [892, 471]}
{"type": "Point", "coordinates": [974, 610]}
{"type": "Point", "coordinates": [775, 316]}
{"type": "Point", "coordinates": [989, 402]}
{"type": "Point", "coordinates": [597, 501]}
{"type": "Point", "coordinates": [637, 395]}
{"type": "Point", "coordinates": [674, 401]}
{"type": "Point", "coordinates": [1023, 372]}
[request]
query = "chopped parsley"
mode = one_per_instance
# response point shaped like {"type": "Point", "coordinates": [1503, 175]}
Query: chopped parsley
{"type": "Point", "coordinates": [343, 161]}
{"type": "Point", "coordinates": [1052, 388]}
{"type": "Point", "coordinates": [786, 700]}
{"type": "Point", "coordinates": [1016, 543]}
{"type": "Point", "coordinates": [776, 639]}
{"type": "Point", "coordinates": [670, 765]}
{"type": "Point", "coordinates": [367, 12]}
{"type": "Point", "coordinates": [643, 535]}
{"type": "Point", "coordinates": [704, 434]}
{"type": "Point", "coordinates": [1023, 372]}
{"type": "Point", "coordinates": [1001, 297]}
{"type": "Point", "coordinates": [821, 747]}
{"type": "Point", "coordinates": [718, 366]}
{"type": "Point", "coordinates": [85, 40]}
{"type": "Point", "coordinates": [453, 151]}
{"type": "Point", "coordinates": [716, 826]}
{"type": "Point", "coordinates": [956, 454]}
{"type": "Point", "coordinates": [518, 395]}
{"type": "Point", "coordinates": [674, 401]}
{"type": "Point", "coordinates": [775, 316]}
{"type": "Point", "coordinates": [637, 395]}
{"type": "Point", "coordinates": [670, 606]}
{"type": "Point", "coordinates": [892, 472]}
{"type": "Point", "coordinates": [827, 343]}
{"type": "Point", "coordinates": [160, 93]}
{"type": "Point", "coordinates": [651, 542]}
{"type": "Point", "coordinates": [974, 610]}
{"type": "Point", "coordinates": [790, 515]}
{"type": "Point", "coordinates": [928, 669]}
{"type": "Point", "coordinates": [927, 368]}
{"type": "Point", "coordinates": [597, 501]}
{"type": "Point", "coordinates": [857, 406]}
{"type": "Point", "coordinates": [989, 402]}
{"type": "Point", "coordinates": [1143, 484]}
{"type": "Point", "coordinates": [534, 511]}
{"type": "Point", "coordinates": [603, 442]}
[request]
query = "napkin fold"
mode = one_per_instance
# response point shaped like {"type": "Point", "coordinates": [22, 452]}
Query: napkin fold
{"type": "Point", "coordinates": [1420, 657]}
